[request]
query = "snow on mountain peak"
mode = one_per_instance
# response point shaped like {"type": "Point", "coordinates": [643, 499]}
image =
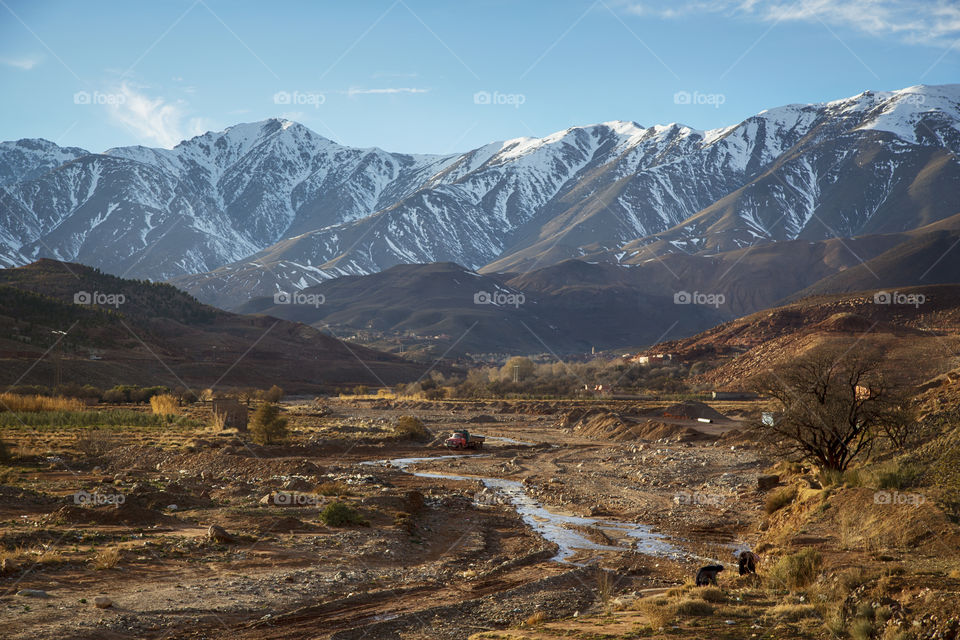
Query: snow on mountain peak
{"type": "Point", "coordinates": [900, 112]}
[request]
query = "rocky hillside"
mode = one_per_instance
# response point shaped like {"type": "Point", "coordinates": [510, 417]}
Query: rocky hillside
{"type": "Point", "coordinates": [129, 332]}
{"type": "Point", "coordinates": [268, 206]}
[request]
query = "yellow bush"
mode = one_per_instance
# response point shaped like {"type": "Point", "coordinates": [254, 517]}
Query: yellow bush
{"type": "Point", "coordinates": [164, 404]}
{"type": "Point", "coordinates": [18, 403]}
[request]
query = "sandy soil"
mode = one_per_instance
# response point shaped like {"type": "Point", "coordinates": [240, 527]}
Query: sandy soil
{"type": "Point", "coordinates": [440, 558]}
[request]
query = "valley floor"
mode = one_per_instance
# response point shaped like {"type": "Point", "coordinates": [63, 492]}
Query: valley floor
{"type": "Point", "coordinates": [624, 526]}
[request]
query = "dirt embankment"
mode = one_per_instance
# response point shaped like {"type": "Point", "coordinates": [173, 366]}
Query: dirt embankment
{"type": "Point", "coordinates": [667, 423]}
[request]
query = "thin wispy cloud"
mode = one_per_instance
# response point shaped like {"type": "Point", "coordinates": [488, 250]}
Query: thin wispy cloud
{"type": "Point", "coordinates": [154, 119]}
{"type": "Point", "coordinates": [358, 92]}
{"type": "Point", "coordinates": [24, 63]}
{"type": "Point", "coordinates": [395, 74]}
{"type": "Point", "coordinates": [931, 22]}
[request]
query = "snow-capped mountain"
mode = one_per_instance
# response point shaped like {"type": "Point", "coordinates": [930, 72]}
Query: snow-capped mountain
{"type": "Point", "coordinates": [270, 206]}
{"type": "Point", "coordinates": [213, 199]}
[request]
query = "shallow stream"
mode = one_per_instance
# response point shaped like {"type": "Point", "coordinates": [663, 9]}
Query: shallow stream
{"type": "Point", "coordinates": [555, 527]}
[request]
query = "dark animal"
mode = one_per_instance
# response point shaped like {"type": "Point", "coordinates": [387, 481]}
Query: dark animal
{"type": "Point", "coordinates": [747, 560]}
{"type": "Point", "coordinates": [708, 575]}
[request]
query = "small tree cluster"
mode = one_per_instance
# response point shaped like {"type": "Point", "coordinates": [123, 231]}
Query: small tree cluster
{"type": "Point", "coordinates": [267, 427]}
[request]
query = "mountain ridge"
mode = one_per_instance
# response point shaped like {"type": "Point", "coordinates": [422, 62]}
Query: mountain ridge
{"type": "Point", "coordinates": [272, 206]}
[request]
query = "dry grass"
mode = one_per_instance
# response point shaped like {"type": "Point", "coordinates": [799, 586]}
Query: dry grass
{"type": "Point", "coordinates": [164, 404]}
{"type": "Point", "coordinates": [659, 611]}
{"type": "Point", "coordinates": [795, 571]}
{"type": "Point", "coordinates": [536, 619]}
{"type": "Point", "coordinates": [107, 558]}
{"type": "Point", "coordinates": [95, 443]}
{"type": "Point", "coordinates": [25, 557]}
{"type": "Point", "coordinates": [30, 404]}
{"type": "Point", "coordinates": [779, 499]}
{"type": "Point", "coordinates": [605, 588]}
{"type": "Point", "coordinates": [694, 607]}
{"type": "Point", "coordinates": [862, 629]}
{"type": "Point", "coordinates": [712, 594]}
{"type": "Point", "coordinates": [219, 420]}
{"type": "Point", "coordinates": [865, 529]}
{"type": "Point", "coordinates": [331, 488]}
{"type": "Point", "coordinates": [793, 612]}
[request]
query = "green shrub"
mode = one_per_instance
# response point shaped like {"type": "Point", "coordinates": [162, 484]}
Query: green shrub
{"type": "Point", "coordinates": [411, 428]}
{"type": "Point", "coordinates": [273, 394]}
{"type": "Point", "coordinates": [797, 570]}
{"type": "Point", "coordinates": [779, 499]}
{"type": "Point", "coordinates": [338, 514]}
{"type": "Point", "coordinates": [267, 427]}
{"type": "Point", "coordinates": [67, 419]}
{"type": "Point", "coordinates": [898, 478]}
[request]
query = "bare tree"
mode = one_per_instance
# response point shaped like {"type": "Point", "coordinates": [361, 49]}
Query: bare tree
{"type": "Point", "coordinates": [832, 405]}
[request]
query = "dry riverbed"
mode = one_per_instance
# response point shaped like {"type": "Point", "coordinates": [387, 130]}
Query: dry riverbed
{"type": "Point", "coordinates": [542, 522]}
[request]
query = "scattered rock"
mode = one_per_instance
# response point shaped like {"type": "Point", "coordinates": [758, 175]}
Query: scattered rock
{"type": "Point", "coordinates": [33, 593]}
{"type": "Point", "coordinates": [767, 482]}
{"type": "Point", "coordinates": [102, 602]}
{"type": "Point", "coordinates": [218, 534]}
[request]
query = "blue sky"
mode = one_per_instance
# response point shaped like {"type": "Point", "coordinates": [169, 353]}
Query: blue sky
{"type": "Point", "coordinates": [435, 77]}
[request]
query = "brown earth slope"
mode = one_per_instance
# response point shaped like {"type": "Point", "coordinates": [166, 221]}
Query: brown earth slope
{"type": "Point", "coordinates": [155, 334]}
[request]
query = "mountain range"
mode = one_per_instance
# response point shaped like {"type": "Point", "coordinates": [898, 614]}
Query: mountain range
{"type": "Point", "coordinates": [808, 198]}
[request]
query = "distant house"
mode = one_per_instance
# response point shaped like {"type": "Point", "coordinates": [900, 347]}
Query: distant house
{"type": "Point", "coordinates": [654, 358]}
